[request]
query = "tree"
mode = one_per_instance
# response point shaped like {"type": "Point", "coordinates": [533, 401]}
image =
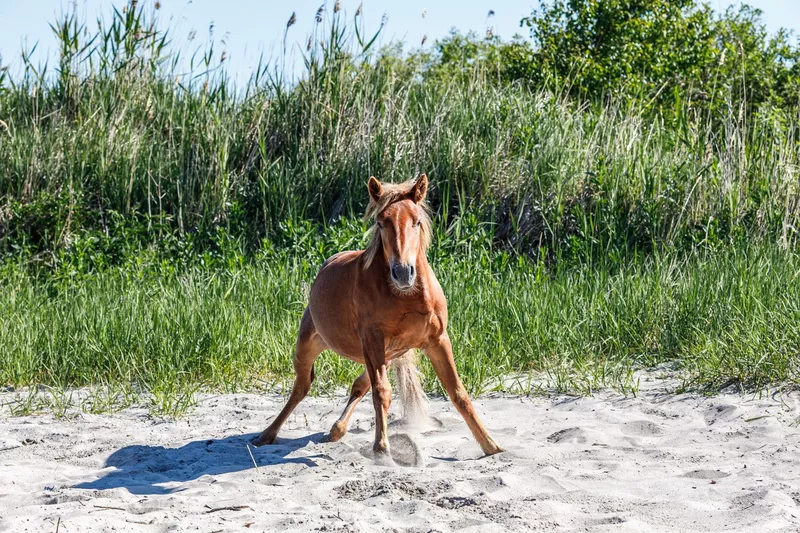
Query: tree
{"type": "Point", "coordinates": [640, 45]}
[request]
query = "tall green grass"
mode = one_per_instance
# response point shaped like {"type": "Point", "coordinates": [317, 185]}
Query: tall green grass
{"type": "Point", "coordinates": [726, 316]}
{"type": "Point", "coordinates": [180, 219]}
{"type": "Point", "coordinates": [116, 133]}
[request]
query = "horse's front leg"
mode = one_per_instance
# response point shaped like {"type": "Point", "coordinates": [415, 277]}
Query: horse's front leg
{"type": "Point", "coordinates": [441, 355]}
{"type": "Point", "coordinates": [374, 351]}
{"type": "Point", "coordinates": [309, 345]}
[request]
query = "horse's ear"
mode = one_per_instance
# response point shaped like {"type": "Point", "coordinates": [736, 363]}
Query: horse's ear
{"type": "Point", "coordinates": [375, 189]}
{"type": "Point", "coordinates": [420, 188]}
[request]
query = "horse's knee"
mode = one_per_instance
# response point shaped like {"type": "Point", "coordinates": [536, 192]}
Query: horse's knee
{"type": "Point", "coordinates": [382, 394]}
{"type": "Point", "coordinates": [300, 391]}
{"type": "Point", "coordinates": [302, 383]}
{"type": "Point", "coordinates": [461, 400]}
{"type": "Point", "coordinates": [360, 386]}
{"type": "Point", "coordinates": [303, 370]}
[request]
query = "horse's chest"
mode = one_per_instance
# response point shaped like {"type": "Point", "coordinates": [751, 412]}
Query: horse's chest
{"type": "Point", "coordinates": [411, 329]}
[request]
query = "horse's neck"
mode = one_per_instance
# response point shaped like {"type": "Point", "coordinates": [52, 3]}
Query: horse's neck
{"type": "Point", "coordinates": [422, 262]}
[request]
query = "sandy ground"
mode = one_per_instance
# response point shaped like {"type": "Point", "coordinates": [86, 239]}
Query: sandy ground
{"type": "Point", "coordinates": [657, 462]}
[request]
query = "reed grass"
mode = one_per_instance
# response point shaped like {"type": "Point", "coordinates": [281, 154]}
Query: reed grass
{"type": "Point", "coordinates": [117, 131]}
{"type": "Point", "coordinates": [159, 229]}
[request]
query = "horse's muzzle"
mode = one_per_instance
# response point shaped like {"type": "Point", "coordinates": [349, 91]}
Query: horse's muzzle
{"type": "Point", "coordinates": [403, 275]}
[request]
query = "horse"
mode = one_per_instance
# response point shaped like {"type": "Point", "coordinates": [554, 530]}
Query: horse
{"type": "Point", "coordinates": [376, 306]}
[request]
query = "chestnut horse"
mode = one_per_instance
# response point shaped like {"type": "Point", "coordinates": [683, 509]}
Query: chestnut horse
{"type": "Point", "coordinates": [375, 306]}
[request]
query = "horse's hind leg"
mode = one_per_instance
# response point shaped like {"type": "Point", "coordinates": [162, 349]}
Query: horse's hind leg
{"type": "Point", "coordinates": [359, 389]}
{"type": "Point", "coordinates": [309, 346]}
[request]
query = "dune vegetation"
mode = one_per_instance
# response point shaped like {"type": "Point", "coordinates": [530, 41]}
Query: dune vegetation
{"type": "Point", "coordinates": [599, 208]}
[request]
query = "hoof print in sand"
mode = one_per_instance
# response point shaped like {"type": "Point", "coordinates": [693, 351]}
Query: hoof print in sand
{"type": "Point", "coordinates": [722, 412]}
{"type": "Point", "coordinates": [456, 502]}
{"type": "Point", "coordinates": [363, 489]}
{"type": "Point", "coordinates": [567, 435]}
{"type": "Point", "coordinates": [641, 428]}
{"type": "Point", "coordinates": [402, 449]}
{"type": "Point", "coordinates": [706, 474]}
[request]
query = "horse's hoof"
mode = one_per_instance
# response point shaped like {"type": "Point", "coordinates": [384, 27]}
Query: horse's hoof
{"type": "Point", "coordinates": [494, 450]}
{"type": "Point", "coordinates": [336, 433]}
{"type": "Point", "coordinates": [263, 439]}
{"type": "Point", "coordinates": [383, 458]}
{"type": "Point", "coordinates": [490, 447]}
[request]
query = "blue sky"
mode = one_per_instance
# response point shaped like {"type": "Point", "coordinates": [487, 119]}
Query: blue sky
{"type": "Point", "coordinates": [253, 27]}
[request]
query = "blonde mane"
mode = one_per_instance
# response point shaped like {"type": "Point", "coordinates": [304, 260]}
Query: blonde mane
{"type": "Point", "coordinates": [391, 193]}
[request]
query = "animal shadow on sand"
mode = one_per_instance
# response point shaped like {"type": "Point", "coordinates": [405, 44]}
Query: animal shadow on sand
{"type": "Point", "coordinates": [141, 469]}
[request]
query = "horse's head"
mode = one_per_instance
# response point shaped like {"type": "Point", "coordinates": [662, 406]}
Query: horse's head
{"type": "Point", "coordinates": [402, 228]}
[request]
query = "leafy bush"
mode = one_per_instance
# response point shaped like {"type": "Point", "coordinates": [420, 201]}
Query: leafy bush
{"type": "Point", "coordinates": [661, 51]}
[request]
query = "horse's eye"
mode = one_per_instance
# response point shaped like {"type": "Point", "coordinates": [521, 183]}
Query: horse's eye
{"type": "Point", "coordinates": [419, 223]}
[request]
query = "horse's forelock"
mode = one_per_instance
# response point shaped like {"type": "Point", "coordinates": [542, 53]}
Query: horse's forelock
{"type": "Point", "coordinates": [391, 193]}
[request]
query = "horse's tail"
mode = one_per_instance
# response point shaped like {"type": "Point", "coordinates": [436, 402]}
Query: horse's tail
{"type": "Point", "coordinates": [415, 403]}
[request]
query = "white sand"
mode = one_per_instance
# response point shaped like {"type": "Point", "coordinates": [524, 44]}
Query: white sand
{"type": "Point", "coordinates": [659, 462]}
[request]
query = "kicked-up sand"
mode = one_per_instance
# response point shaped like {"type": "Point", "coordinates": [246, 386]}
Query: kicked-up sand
{"type": "Point", "coordinates": [657, 462]}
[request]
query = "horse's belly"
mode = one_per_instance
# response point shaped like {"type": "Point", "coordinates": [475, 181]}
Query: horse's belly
{"type": "Point", "coordinates": [338, 334]}
{"type": "Point", "coordinates": [346, 346]}
{"type": "Point", "coordinates": [331, 305]}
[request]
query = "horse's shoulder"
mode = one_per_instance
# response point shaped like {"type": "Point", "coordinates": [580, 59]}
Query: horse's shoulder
{"type": "Point", "coordinates": [435, 292]}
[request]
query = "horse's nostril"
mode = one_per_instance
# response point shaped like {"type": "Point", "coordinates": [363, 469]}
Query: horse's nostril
{"type": "Point", "coordinates": [403, 274]}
